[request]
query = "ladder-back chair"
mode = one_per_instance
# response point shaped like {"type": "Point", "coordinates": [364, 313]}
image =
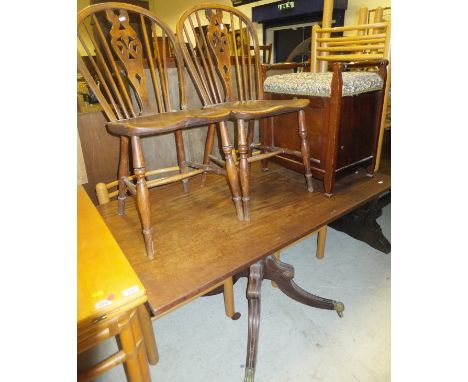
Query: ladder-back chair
{"type": "Point", "coordinates": [216, 41]}
{"type": "Point", "coordinates": [123, 56]}
{"type": "Point", "coordinates": [362, 42]}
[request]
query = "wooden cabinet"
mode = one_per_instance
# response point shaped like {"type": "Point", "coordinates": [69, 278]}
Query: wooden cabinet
{"type": "Point", "coordinates": [339, 141]}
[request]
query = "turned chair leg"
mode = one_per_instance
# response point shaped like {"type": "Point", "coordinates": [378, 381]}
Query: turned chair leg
{"type": "Point", "coordinates": [266, 123]}
{"type": "Point", "coordinates": [142, 196]}
{"type": "Point", "coordinates": [250, 136]}
{"type": "Point", "coordinates": [181, 157]}
{"type": "Point", "coordinates": [305, 150]}
{"type": "Point", "coordinates": [244, 168]}
{"type": "Point", "coordinates": [123, 173]}
{"type": "Point", "coordinates": [231, 170]}
{"type": "Point", "coordinates": [208, 149]}
{"type": "Point", "coordinates": [148, 335]}
{"type": "Point", "coordinates": [132, 343]}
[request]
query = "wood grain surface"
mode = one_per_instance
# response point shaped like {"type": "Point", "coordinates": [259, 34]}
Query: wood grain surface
{"type": "Point", "coordinates": [200, 242]}
{"type": "Point", "coordinates": [105, 280]}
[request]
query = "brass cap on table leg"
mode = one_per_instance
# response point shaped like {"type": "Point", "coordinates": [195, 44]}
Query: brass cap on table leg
{"type": "Point", "coordinates": [249, 375]}
{"type": "Point", "coordinates": [339, 307]}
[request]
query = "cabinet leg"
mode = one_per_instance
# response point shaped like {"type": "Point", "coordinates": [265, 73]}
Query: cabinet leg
{"type": "Point", "coordinates": [328, 183]}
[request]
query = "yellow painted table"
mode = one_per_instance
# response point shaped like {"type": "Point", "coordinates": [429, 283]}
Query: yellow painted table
{"type": "Point", "coordinates": [110, 299]}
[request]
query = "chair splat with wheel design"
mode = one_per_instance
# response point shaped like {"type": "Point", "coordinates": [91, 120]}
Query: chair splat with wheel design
{"type": "Point", "coordinates": [216, 42]}
{"type": "Point", "coordinates": [122, 54]}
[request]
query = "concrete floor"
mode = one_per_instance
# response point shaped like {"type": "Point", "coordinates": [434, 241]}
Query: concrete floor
{"type": "Point", "coordinates": [297, 343]}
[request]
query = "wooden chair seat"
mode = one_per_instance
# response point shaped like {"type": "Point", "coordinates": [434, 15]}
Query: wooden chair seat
{"type": "Point", "coordinates": [261, 108]}
{"type": "Point", "coordinates": [167, 122]}
{"type": "Point", "coordinates": [320, 84]}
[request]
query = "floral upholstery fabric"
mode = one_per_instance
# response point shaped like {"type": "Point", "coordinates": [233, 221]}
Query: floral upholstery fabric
{"type": "Point", "coordinates": [319, 84]}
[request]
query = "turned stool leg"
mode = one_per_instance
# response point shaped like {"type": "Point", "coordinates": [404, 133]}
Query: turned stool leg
{"type": "Point", "coordinates": [244, 168]}
{"type": "Point", "coordinates": [123, 173]}
{"type": "Point", "coordinates": [142, 196]}
{"type": "Point", "coordinates": [305, 150]}
{"type": "Point", "coordinates": [181, 157]}
{"type": "Point", "coordinates": [231, 170]}
{"type": "Point", "coordinates": [208, 149]}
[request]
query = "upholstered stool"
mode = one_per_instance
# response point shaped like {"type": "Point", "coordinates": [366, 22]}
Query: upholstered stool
{"type": "Point", "coordinates": [342, 118]}
{"type": "Point", "coordinates": [319, 84]}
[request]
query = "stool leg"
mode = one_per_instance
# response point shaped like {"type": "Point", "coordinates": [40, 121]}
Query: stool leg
{"type": "Point", "coordinates": [321, 239]}
{"type": "Point", "coordinates": [181, 157]}
{"type": "Point", "coordinates": [148, 335]}
{"type": "Point", "coordinates": [244, 168]}
{"type": "Point", "coordinates": [305, 150]}
{"type": "Point", "coordinates": [123, 173]}
{"type": "Point", "coordinates": [231, 170]}
{"type": "Point", "coordinates": [208, 149]}
{"type": "Point", "coordinates": [142, 195]}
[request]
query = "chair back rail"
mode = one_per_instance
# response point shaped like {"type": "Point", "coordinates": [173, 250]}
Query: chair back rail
{"type": "Point", "coordinates": [215, 38]}
{"type": "Point", "coordinates": [118, 44]}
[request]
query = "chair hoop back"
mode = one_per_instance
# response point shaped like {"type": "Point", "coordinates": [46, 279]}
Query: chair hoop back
{"type": "Point", "coordinates": [124, 53]}
{"type": "Point", "coordinates": [213, 39]}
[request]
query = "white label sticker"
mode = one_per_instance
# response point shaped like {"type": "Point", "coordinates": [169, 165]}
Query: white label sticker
{"type": "Point", "coordinates": [102, 303]}
{"type": "Point", "coordinates": [130, 291]}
